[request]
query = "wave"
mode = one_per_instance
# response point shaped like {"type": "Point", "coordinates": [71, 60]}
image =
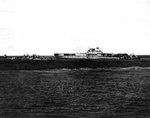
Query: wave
{"type": "Point", "coordinates": [115, 68]}
{"type": "Point", "coordinates": [47, 71]}
{"type": "Point", "coordinates": [89, 69]}
{"type": "Point", "coordinates": [135, 68]}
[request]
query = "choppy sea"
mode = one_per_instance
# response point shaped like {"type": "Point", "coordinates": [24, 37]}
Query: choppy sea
{"type": "Point", "coordinates": [75, 93]}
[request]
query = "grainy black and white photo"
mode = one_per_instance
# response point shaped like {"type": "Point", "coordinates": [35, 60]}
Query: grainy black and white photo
{"type": "Point", "coordinates": [74, 58]}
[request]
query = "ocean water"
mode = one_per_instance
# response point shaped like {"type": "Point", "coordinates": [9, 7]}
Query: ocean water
{"type": "Point", "coordinates": [75, 93]}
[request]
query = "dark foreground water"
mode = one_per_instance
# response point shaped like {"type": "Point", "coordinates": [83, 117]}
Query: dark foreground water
{"type": "Point", "coordinates": [67, 93]}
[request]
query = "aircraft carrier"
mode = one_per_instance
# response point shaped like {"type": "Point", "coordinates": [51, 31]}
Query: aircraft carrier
{"type": "Point", "coordinates": [93, 58]}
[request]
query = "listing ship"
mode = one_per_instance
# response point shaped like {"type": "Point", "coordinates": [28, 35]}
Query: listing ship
{"type": "Point", "coordinates": [93, 58]}
{"type": "Point", "coordinates": [95, 53]}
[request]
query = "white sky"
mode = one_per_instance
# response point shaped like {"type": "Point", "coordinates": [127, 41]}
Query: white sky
{"type": "Point", "coordinates": [49, 26]}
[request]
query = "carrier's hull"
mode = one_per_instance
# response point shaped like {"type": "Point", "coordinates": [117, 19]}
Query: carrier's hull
{"type": "Point", "coordinates": [69, 63]}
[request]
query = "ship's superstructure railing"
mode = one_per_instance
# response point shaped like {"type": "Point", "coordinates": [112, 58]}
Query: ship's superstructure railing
{"type": "Point", "coordinates": [94, 50]}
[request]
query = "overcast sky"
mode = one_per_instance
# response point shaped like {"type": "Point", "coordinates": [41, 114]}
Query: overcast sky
{"type": "Point", "coordinates": [49, 26]}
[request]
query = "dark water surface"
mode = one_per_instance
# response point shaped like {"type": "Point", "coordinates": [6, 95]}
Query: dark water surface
{"type": "Point", "coordinates": [73, 93]}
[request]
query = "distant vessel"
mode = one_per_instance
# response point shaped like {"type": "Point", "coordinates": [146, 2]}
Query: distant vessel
{"type": "Point", "coordinates": [93, 58]}
{"type": "Point", "coordinates": [94, 53]}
